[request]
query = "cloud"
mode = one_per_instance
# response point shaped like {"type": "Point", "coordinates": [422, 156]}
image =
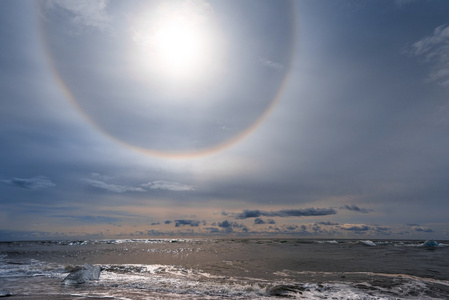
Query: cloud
{"type": "Point", "coordinates": [382, 228]}
{"type": "Point", "coordinates": [90, 219]}
{"type": "Point", "coordinates": [355, 228]}
{"type": "Point", "coordinates": [100, 181]}
{"type": "Point", "coordinates": [419, 228]}
{"type": "Point", "coordinates": [100, 177]}
{"type": "Point", "coordinates": [435, 51]}
{"type": "Point", "coordinates": [34, 183]}
{"type": "Point", "coordinates": [286, 213]}
{"type": "Point", "coordinates": [355, 208]}
{"type": "Point", "coordinates": [169, 186]}
{"type": "Point", "coordinates": [191, 223]}
{"type": "Point", "coordinates": [213, 229]}
{"type": "Point", "coordinates": [19, 235]}
{"type": "Point", "coordinates": [291, 227]}
{"type": "Point", "coordinates": [227, 227]}
{"type": "Point", "coordinates": [227, 224]}
{"type": "Point", "coordinates": [115, 188]}
{"type": "Point", "coordinates": [224, 224]}
{"type": "Point", "coordinates": [328, 223]}
{"type": "Point", "coordinates": [87, 13]}
{"type": "Point", "coordinates": [259, 221]}
{"type": "Point", "coordinates": [274, 65]}
{"type": "Point", "coordinates": [364, 229]}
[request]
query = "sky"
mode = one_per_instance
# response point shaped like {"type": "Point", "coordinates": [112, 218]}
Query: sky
{"type": "Point", "coordinates": [195, 118]}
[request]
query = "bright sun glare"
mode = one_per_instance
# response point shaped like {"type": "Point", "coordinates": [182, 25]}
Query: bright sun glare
{"type": "Point", "coordinates": [176, 42]}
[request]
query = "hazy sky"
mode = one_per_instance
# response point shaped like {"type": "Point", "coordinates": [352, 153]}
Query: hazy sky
{"type": "Point", "coordinates": [188, 118]}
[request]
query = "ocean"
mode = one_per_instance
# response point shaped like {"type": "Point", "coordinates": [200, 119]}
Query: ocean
{"type": "Point", "coordinates": [227, 269]}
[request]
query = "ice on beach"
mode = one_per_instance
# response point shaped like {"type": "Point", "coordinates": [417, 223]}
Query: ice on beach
{"type": "Point", "coordinates": [82, 274]}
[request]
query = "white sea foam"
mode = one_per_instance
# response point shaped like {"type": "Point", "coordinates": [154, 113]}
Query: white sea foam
{"type": "Point", "coordinates": [175, 282]}
{"type": "Point", "coordinates": [224, 276]}
{"type": "Point", "coordinates": [327, 242]}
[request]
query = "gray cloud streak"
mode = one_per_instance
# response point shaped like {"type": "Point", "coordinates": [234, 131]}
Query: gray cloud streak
{"type": "Point", "coordinates": [113, 187]}
{"type": "Point", "coordinates": [169, 186]}
{"type": "Point", "coordinates": [286, 213]}
{"type": "Point", "coordinates": [191, 223]}
{"type": "Point", "coordinates": [435, 50]}
{"type": "Point", "coordinates": [355, 208]}
{"type": "Point", "coordinates": [34, 183]}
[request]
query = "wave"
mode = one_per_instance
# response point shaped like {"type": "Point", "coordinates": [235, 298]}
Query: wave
{"type": "Point", "coordinates": [160, 281]}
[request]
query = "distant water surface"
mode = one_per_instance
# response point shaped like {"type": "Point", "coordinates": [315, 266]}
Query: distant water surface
{"type": "Point", "coordinates": [228, 269]}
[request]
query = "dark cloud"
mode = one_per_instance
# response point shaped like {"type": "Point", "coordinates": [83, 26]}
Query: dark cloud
{"type": "Point", "coordinates": [259, 221]}
{"type": "Point", "coordinates": [228, 227]}
{"type": "Point", "coordinates": [328, 223]}
{"type": "Point", "coordinates": [212, 229]}
{"type": "Point", "coordinates": [356, 228]}
{"type": "Point", "coordinates": [39, 182]}
{"type": "Point", "coordinates": [225, 224]}
{"type": "Point", "coordinates": [191, 223]}
{"type": "Point", "coordinates": [364, 229]}
{"type": "Point", "coordinates": [419, 228]}
{"type": "Point", "coordinates": [154, 232]}
{"type": "Point", "coordinates": [286, 213]}
{"type": "Point", "coordinates": [355, 208]}
{"type": "Point", "coordinates": [291, 227]}
{"type": "Point", "coordinates": [249, 214]}
{"type": "Point", "coordinates": [382, 228]}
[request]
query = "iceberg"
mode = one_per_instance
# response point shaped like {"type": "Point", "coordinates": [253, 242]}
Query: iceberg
{"type": "Point", "coordinates": [82, 274]}
{"type": "Point", "coordinates": [368, 243]}
{"type": "Point", "coordinates": [430, 243]}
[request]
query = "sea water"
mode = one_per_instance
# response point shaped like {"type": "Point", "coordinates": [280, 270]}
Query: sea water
{"type": "Point", "coordinates": [227, 269]}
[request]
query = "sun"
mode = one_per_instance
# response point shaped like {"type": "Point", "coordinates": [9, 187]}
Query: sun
{"type": "Point", "coordinates": [179, 44]}
{"type": "Point", "coordinates": [176, 42]}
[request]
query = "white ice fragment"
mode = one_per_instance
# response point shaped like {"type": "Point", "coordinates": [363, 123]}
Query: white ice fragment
{"type": "Point", "coordinates": [82, 274]}
{"type": "Point", "coordinates": [368, 243]}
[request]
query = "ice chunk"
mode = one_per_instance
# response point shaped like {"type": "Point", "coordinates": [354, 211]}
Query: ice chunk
{"type": "Point", "coordinates": [82, 274]}
{"type": "Point", "coordinates": [429, 243]}
{"type": "Point", "coordinates": [368, 243]}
